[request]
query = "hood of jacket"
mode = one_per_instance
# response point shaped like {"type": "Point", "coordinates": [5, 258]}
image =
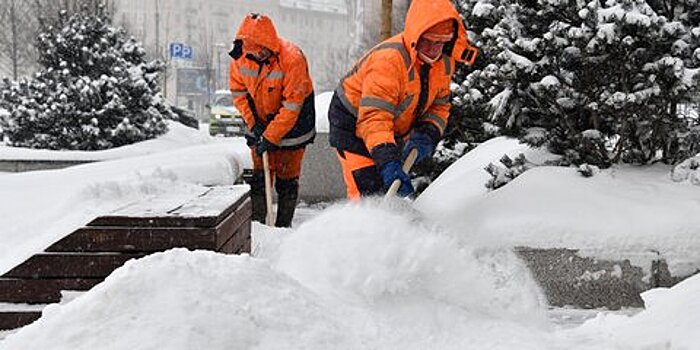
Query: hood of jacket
{"type": "Point", "coordinates": [423, 14]}
{"type": "Point", "coordinates": [260, 30]}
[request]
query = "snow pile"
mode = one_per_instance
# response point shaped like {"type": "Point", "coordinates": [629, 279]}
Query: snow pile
{"type": "Point", "coordinates": [688, 171]}
{"type": "Point", "coordinates": [620, 212]}
{"type": "Point", "coordinates": [178, 136]}
{"type": "Point", "coordinates": [379, 255]}
{"type": "Point", "coordinates": [670, 321]}
{"type": "Point", "coordinates": [188, 300]}
{"type": "Point", "coordinates": [356, 277]}
{"type": "Point", "coordinates": [465, 181]}
{"type": "Point", "coordinates": [322, 101]}
{"type": "Point", "coordinates": [44, 206]}
{"type": "Point", "coordinates": [367, 275]}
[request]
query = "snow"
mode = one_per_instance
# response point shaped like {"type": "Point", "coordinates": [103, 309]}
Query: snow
{"type": "Point", "coordinates": [438, 273]}
{"type": "Point", "coordinates": [40, 207]}
{"type": "Point", "coordinates": [482, 9]}
{"type": "Point", "coordinates": [550, 81]}
{"type": "Point", "coordinates": [178, 136]}
{"type": "Point", "coordinates": [464, 182]}
{"type": "Point", "coordinates": [688, 170]}
{"type": "Point", "coordinates": [322, 101]}
{"type": "Point", "coordinates": [670, 320]}
{"type": "Point", "coordinates": [519, 61]}
{"type": "Point", "coordinates": [619, 212]}
{"type": "Point", "coordinates": [384, 283]}
{"type": "Point", "coordinates": [632, 16]}
{"type": "Point", "coordinates": [499, 103]}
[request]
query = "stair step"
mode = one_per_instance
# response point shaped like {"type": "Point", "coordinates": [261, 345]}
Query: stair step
{"type": "Point", "coordinates": [41, 291]}
{"type": "Point", "coordinates": [15, 319]}
{"type": "Point", "coordinates": [18, 315]}
{"type": "Point", "coordinates": [66, 265]}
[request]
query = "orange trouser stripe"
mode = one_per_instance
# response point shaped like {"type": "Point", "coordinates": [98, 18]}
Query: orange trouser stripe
{"type": "Point", "coordinates": [352, 162]}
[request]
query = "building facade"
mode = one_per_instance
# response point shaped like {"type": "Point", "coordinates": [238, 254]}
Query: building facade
{"type": "Point", "coordinates": [319, 27]}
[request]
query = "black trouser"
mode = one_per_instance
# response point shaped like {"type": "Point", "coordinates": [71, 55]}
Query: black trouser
{"type": "Point", "coordinates": [287, 195]}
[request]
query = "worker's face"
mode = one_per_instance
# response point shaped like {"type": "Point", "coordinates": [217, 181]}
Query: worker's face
{"type": "Point", "coordinates": [431, 49]}
{"type": "Point", "coordinates": [260, 53]}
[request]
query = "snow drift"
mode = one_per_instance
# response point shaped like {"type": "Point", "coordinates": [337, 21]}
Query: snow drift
{"type": "Point", "coordinates": [357, 276]}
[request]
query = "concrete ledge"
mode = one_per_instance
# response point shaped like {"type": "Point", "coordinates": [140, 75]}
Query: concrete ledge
{"type": "Point", "coordinates": [569, 279]}
{"type": "Point", "coordinates": [19, 165]}
{"type": "Point", "coordinates": [321, 176]}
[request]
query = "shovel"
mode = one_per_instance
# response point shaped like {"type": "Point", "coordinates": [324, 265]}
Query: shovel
{"type": "Point", "coordinates": [270, 217]}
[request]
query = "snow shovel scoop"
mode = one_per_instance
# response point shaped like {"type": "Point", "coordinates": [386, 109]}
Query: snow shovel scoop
{"type": "Point", "coordinates": [407, 165]}
{"type": "Point", "coordinates": [270, 217]}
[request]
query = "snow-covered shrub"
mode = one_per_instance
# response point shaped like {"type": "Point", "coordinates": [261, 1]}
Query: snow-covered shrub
{"type": "Point", "coordinates": [95, 91]}
{"type": "Point", "coordinates": [4, 115]}
{"type": "Point", "coordinates": [444, 156]}
{"type": "Point", "coordinates": [587, 170]}
{"type": "Point", "coordinates": [598, 81]}
{"type": "Point", "coordinates": [688, 170]}
{"type": "Point", "coordinates": [507, 171]}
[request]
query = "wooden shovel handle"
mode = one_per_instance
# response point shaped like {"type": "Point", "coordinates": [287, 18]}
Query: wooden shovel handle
{"type": "Point", "coordinates": [269, 218]}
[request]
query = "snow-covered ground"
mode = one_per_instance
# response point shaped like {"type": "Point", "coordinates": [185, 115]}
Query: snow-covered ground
{"type": "Point", "coordinates": [40, 207]}
{"type": "Point", "coordinates": [177, 137]}
{"type": "Point", "coordinates": [435, 274]}
{"type": "Point", "coordinates": [619, 213]}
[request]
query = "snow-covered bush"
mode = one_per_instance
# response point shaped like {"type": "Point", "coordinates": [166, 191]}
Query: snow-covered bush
{"type": "Point", "coordinates": [598, 82]}
{"type": "Point", "coordinates": [4, 115]}
{"type": "Point", "coordinates": [444, 157]}
{"type": "Point", "coordinates": [507, 171]}
{"type": "Point", "coordinates": [95, 91]}
{"type": "Point", "coordinates": [689, 170]}
{"type": "Point", "coordinates": [587, 170]}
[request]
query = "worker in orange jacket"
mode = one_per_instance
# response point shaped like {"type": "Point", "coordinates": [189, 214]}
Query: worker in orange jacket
{"type": "Point", "coordinates": [272, 89]}
{"type": "Point", "coordinates": [397, 98]}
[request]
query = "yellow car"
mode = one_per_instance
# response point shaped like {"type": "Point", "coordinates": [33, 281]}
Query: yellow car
{"type": "Point", "coordinates": [225, 119]}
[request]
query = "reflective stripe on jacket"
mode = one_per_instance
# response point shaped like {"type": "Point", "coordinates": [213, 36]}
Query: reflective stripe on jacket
{"type": "Point", "coordinates": [382, 91]}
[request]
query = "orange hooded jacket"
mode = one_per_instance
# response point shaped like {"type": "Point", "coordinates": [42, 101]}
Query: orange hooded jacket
{"type": "Point", "coordinates": [280, 89]}
{"type": "Point", "coordinates": [382, 91]}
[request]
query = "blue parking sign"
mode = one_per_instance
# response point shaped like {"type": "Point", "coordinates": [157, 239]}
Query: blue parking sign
{"type": "Point", "coordinates": [180, 50]}
{"type": "Point", "coordinates": [187, 52]}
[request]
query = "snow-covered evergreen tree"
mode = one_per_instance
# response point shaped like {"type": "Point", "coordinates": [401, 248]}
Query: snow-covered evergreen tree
{"type": "Point", "coordinates": [472, 86]}
{"type": "Point", "coordinates": [596, 82]}
{"type": "Point", "coordinates": [95, 91]}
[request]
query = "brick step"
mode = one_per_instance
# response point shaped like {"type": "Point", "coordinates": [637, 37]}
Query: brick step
{"type": "Point", "coordinates": [135, 239]}
{"type": "Point", "coordinates": [15, 319]}
{"type": "Point", "coordinates": [67, 265]}
{"type": "Point", "coordinates": [217, 219]}
{"type": "Point", "coordinates": [207, 209]}
{"type": "Point", "coordinates": [18, 315]}
{"type": "Point", "coordinates": [41, 291]}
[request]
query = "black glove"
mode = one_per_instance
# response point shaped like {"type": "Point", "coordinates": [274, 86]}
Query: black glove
{"type": "Point", "coordinates": [236, 49]}
{"type": "Point", "coordinates": [253, 138]}
{"type": "Point", "coordinates": [263, 146]}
